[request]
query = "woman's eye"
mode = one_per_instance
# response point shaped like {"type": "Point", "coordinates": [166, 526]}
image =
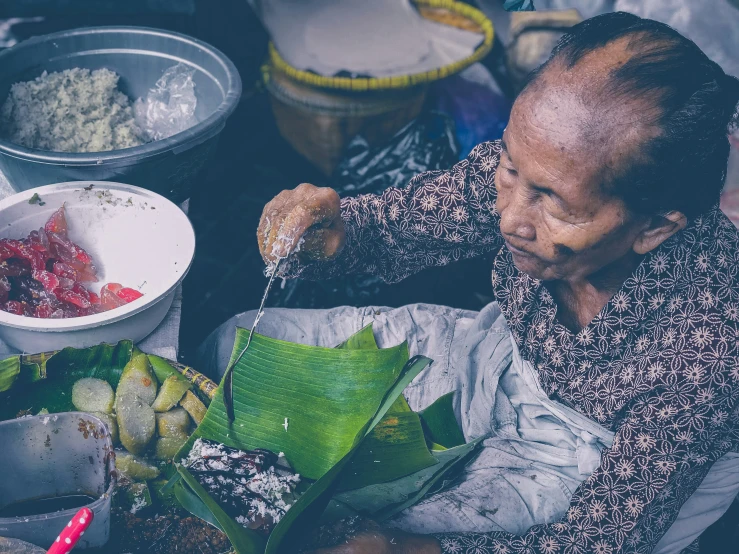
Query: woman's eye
{"type": "Point", "coordinates": [511, 171]}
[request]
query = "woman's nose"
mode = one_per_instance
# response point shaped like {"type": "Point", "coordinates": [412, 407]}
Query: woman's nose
{"type": "Point", "coordinates": [515, 217]}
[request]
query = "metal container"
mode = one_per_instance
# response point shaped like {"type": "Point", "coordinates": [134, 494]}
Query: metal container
{"type": "Point", "coordinates": [56, 455]}
{"type": "Point", "coordinates": [140, 56]}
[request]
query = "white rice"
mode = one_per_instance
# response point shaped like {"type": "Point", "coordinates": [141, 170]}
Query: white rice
{"type": "Point", "coordinates": [76, 110]}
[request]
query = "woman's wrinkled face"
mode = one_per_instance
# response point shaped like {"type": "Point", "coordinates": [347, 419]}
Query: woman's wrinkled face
{"type": "Point", "coordinates": [558, 219]}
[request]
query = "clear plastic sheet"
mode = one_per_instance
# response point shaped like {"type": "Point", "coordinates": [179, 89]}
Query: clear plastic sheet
{"type": "Point", "coordinates": [169, 107]}
{"type": "Point", "coordinates": [425, 144]}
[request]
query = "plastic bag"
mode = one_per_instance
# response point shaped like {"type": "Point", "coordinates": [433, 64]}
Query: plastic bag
{"type": "Point", "coordinates": [476, 104]}
{"type": "Point", "coordinates": [428, 143]}
{"type": "Point", "coordinates": [169, 107]}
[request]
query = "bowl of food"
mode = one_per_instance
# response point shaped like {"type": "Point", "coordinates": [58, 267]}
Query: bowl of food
{"type": "Point", "coordinates": [84, 263]}
{"type": "Point", "coordinates": [67, 108]}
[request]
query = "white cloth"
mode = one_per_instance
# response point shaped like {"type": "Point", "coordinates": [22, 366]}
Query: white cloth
{"type": "Point", "coordinates": [537, 451]}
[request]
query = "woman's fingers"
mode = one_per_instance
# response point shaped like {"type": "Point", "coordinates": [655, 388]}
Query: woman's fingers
{"type": "Point", "coordinates": [324, 244]}
{"type": "Point", "coordinates": [292, 229]}
{"type": "Point", "coordinates": [298, 214]}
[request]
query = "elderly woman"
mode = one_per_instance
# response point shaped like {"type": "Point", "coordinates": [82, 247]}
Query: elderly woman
{"type": "Point", "coordinates": [605, 377]}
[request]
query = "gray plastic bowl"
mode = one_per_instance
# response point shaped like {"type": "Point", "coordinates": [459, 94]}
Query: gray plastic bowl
{"type": "Point", "coordinates": [170, 167]}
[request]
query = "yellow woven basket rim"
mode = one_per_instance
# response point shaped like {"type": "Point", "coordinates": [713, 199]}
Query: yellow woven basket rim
{"type": "Point", "coordinates": [399, 81]}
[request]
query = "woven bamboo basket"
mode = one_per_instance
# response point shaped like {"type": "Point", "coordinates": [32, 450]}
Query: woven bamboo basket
{"type": "Point", "coordinates": [318, 115]}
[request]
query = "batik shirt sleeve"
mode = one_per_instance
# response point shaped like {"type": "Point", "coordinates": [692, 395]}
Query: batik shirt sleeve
{"type": "Point", "coordinates": [439, 218]}
{"type": "Point", "coordinates": [662, 450]}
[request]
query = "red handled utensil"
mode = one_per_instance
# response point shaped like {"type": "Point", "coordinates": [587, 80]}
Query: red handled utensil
{"type": "Point", "coordinates": [69, 536]}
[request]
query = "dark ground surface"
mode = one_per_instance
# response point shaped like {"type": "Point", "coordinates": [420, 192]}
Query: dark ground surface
{"type": "Point", "coordinates": [253, 164]}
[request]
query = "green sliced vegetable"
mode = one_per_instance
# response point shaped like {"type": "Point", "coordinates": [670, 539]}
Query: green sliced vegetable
{"type": "Point", "coordinates": [93, 395]}
{"type": "Point", "coordinates": [194, 407]}
{"type": "Point", "coordinates": [135, 468]}
{"type": "Point", "coordinates": [136, 423]}
{"type": "Point", "coordinates": [161, 368]}
{"type": "Point", "coordinates": [441, 424]}
{"type": "Point", "coordinates": [204, 387]}
{"type": "Point", "coordinates": [174, 423]}
{"type": "Point", "coordinates": [166, 448]}
{"type": "Point", "coordinates": [172, 390]}
{"type": "Point", "coordinates": [137, 380]}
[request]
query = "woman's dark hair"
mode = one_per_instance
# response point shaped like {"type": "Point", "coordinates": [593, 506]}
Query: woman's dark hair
{"type": "Point", "coordinates": [684, 167]}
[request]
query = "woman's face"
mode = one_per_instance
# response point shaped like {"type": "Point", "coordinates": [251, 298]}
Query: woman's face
{"type": "Point", "coordinates": [558, 220]}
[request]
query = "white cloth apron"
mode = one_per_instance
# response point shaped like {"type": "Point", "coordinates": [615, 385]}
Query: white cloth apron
{"type": "Point", "coordinates": [537, 452]}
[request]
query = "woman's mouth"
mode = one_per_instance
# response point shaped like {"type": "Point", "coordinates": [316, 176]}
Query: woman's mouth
{"type": "Point", "coordinates": [517, 251]}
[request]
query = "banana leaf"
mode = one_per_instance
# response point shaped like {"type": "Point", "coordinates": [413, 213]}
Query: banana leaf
{"type": "Point", "coordinates": [395, 448]}
{"type": "Point", "coordinates": [46, 380]}
{"type": "Point", "coordinates": [383, 500]}
{"type": "Point", "coordinates": [29, 383]}
{"type": "Point", "coordinates": [440, 423]}
{"type": "Point", "coordinates": [330, 398]}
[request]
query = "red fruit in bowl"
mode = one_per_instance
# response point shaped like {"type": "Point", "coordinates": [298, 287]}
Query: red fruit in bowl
{"type": "Point", "coordinates": [14, 268]}
{"type": "Point", "coordinates": [4, 289]}
{"type": "Point", "coordinates": [57, 223]}
{"type": "Point", "coordinates": [71, 297]}
{"type": "Point", "coordinates": [113, 287]}
{"type": "Point", "coordinates": [87, 275]}
{"type": "Point", "coordinates": [48, 280]}
{"type": "Point", "coordinates": [44, 310]}
{"type": "Point", "coordinates": [82, 291]}
{"type": "Point", "coordinates": [14, 307]}
{"type": "Point", "coordinates": [65, 270]}
{"type": "Point", "coordinates": [5, 252]}
{"type": "Point", "coordinates": [24, 252]}
{"type": "Point", "coordinates": [129, 295]}
{"type": "Point", "coordinates": [66, 284]}
{"type": "Point", "coordinates": [94, 299]}
{"type": "Point", "coordinates": [109, 300]}
{"type": "Point", "coordinates": [68, 250]}
{"type": "Point", "coordinates": [39, 242]}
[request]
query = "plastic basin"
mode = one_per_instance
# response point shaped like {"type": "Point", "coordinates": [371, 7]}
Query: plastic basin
{"type": "Point", "coordinates": [170, 167]}
{"type": "Point", "coordinates": [136, 237]}
{"type": "Point", "coordinates": [56, 455]}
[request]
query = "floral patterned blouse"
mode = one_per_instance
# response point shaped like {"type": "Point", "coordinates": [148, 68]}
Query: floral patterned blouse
{"type": "Point", "coordinates": [658, 365]}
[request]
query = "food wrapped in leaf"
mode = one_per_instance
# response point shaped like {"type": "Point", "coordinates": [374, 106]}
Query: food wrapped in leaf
{"type": "Point", "coordinates": [93, 395]}
{"type": "Point", "coordinates": [174, 423]}
{"type": "Point", "coordinates": [246, 484]}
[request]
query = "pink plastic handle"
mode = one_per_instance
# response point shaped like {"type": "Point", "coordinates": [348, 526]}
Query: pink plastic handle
{"type": "Point", "coordinates": [69, 536]}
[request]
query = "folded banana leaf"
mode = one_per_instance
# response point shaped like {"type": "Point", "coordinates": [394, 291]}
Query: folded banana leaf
{"type": "Point", "coordinates": [316, 405]}
{"type": "Point", "coordinates": [348, 429]}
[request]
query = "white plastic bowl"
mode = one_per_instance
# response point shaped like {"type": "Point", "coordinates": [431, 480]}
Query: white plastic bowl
{"type": "Point", "coordinates": [136, 238]}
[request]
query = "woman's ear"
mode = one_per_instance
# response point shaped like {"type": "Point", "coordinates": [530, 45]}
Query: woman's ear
{"type": "Point", "coordinates": [660, 228]}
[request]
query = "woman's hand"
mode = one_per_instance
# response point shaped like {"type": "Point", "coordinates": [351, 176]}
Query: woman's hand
{"type": "Point", "coordinates": [362, 536]}
{"type": "Point", "coordinates": [307, 212]}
